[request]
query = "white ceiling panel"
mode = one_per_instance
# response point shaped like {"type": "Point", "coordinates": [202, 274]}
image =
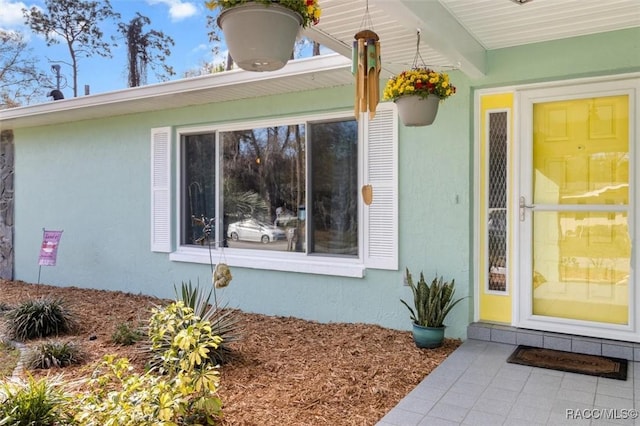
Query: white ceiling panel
{"type": "Point", "coordinates": [452, 30]}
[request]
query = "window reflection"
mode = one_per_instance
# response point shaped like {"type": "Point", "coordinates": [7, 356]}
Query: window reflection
{"type": "Point", "coordinates": [263, 183]}
{"type": "Point", "coordinates": [334, 187]}
{"type": "Point", "coordinates": [198, 201]}
{"type": "Point", "coordinates": [263, 186]}
{"type": "Point", "coordinates": [582, 265]}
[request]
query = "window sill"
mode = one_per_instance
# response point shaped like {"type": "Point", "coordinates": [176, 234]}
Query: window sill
{"type": "Point", "coordinates": [287, 262]}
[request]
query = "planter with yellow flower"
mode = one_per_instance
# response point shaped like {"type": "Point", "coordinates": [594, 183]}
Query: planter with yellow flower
{"type": "Point", "coordinates": [261, 34]}
{"type": "Point", "coordinates": [418, 93]}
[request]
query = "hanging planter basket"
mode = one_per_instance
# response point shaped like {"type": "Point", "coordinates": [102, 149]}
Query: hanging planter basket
{"type": "Point", "coordinates": [417, 111]}
{"type": "Point", "coordinates": [260, 37]}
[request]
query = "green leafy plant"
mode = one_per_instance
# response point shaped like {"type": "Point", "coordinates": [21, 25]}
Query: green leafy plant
{"type": "Point", "coordinates": [181, 389]}
{"type": "Point", "coordinates": [308, 9]}
{"type": "Point", "coordinates": [39, 318]}
{"type": "Point", "coordinates": [33, 402]}
{"type": "Point", "coordinates": [55, 355]}
{"type": "Point", "coordinates": [223, 321]}
{"type": "Point", "coordinates": [174, 329]}
{"type": "Point", "coordinates": [119, 396]}
{"type": "Point", "coordinates": [432, 302]}
{"type": "Point", "coordinates": [126, 335]}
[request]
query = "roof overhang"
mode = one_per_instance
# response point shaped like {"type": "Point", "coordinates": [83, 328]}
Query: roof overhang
{"type": "Point", "coordinates": [299, 75]}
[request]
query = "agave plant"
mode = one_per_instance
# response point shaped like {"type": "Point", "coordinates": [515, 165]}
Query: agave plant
{"type": "Point", "coordinates": [432, 302]}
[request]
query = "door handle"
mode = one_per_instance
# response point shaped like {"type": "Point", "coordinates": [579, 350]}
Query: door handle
{"type": "Point", "coordinates": [523, 205]}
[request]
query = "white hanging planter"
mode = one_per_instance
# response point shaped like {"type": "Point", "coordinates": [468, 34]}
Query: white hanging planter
{"type": "Point", "coordinates": [260, 37]}
{"type": "Point", "coordinates": [417, 111]}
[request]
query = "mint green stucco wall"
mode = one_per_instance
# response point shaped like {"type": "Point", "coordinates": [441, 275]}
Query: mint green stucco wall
{"type": "Point", "coordinates": [91, 179]}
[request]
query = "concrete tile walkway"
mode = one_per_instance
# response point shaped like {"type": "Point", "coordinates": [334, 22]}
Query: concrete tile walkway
{"type": "Point", "coordinates": [476, 386]}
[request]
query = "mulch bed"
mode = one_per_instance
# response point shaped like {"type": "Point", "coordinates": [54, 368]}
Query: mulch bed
{"type": "Point", "coordinates": [287, 371]}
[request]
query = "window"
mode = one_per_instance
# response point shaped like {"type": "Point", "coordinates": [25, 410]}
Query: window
{"type": "Point", "coordinates": [497, 208]}
{"type": "Point", "coordinates": [285, 195]}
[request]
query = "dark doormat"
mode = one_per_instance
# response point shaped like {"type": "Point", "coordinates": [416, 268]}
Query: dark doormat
{"type": "Point", "coordinates": [593, 365]}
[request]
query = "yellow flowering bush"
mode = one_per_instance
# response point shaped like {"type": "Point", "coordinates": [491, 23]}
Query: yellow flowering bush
{"type": "Point", "coordinates": [422, 82]}
{"type": "Point", "coordinates": [309, 9]}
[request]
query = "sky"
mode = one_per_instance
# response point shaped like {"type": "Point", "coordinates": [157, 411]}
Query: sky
{"type": "Point", "coordinates": [182, 20]}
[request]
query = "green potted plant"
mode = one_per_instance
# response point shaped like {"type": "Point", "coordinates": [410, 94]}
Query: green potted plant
{"type": "Point", "coordinates": [432, 303]}
{"type": "Point", "coordinates": [417, 93]}
{"type": "Point", "coordinates": [261, 34]}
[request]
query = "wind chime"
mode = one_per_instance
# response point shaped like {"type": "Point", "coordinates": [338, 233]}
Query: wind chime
{"type": "Point", "coordinates": [366, 67]}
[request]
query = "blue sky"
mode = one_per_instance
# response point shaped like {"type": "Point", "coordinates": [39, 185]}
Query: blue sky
{"type": "Point", "coordinates": [184, 21]}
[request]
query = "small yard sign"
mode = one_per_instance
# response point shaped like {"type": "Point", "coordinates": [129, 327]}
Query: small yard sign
{"type": "Point", "coordinates": [49, 249]}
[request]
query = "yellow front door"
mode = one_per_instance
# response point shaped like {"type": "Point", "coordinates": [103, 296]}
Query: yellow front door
{"type": "Point", "coordinates": [577, 210]}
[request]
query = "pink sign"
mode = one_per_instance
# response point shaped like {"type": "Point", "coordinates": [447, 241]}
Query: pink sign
{"type": "Point", "coordinates": [49, 249]}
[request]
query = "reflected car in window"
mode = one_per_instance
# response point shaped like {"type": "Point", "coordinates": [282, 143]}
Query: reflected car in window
{"type": "Point", "coordinates": [254, 230]}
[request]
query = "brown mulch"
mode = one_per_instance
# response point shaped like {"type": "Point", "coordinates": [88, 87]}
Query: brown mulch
{"type": "Point", "coordinates": [287, 371]}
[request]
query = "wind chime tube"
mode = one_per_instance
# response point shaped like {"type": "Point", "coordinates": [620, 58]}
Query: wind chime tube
{"type": "Point", "coordinates": [362, 76]}
{"type": "Point", "coordinates": [373, 76]}
{"type": "Point", "coordinates": [354, 58]}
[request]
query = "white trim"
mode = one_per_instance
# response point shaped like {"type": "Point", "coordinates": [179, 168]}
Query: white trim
{"type": "Point", "coordinates": [268, 260]}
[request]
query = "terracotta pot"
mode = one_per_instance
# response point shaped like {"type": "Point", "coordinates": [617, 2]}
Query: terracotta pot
{"type": "Point", "coordinates": [260, 37]}
{"type": "Point", "coordinates": [417, 111]}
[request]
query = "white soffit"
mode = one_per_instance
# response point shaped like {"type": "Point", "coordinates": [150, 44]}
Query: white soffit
{"type": "Point", "coordinates": [304, 74]}
{"type": "Point", "coordinates": [457, 33]}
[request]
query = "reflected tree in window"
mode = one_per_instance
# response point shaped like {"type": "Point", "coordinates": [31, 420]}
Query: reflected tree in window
{"type": "Point", "coordinates": [199, 202]}
{"type": "Point", "coordinates": [263, 174]}
{"type": "Point", "coordinates": [334, 182]}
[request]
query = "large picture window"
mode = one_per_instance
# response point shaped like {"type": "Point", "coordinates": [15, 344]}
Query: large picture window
{"type": "Point", "coordinates": [282, 188]}
{"type": "Point", "coordinates": [279, 194]}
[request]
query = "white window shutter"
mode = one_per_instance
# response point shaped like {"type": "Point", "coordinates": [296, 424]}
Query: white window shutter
{"type": "Point", "coordinates": [381, 172]}
{"type": "Point", "coordinates": [161, 189]}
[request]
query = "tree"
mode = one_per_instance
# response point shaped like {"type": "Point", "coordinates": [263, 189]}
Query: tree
{"type": "Point", "coordinates": [20, 80]}
{"type": "Point", "coordinates": [216, 41]}
{"type": "Point", "coordinates": [144, 50]}
{"type": "Point", "coordinates": [76, 22]}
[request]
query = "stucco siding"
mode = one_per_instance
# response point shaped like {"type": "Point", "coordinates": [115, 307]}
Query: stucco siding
{"type": "Point", "coordinates": [91, 179]}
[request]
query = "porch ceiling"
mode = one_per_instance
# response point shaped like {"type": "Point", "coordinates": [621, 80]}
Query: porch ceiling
{"type": "Point", "coordinates": [457, 33]}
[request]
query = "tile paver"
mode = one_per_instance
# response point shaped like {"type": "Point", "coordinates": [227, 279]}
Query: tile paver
{"type": "Point", "coordinates": [476, 386]}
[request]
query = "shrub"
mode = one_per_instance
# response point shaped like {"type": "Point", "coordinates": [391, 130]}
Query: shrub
{"type": "Point", "coordinates": [30, 402]}
{"type": "Point", "coordinates": [39, 318]}
{"type": "Point", "coordinates": [55, 354]}
{"type": "Point", "coordinates": [185, 391]}
{"type": "Point", "coordinates": [126, 335]}
{"type": "Point", "coordinates": [223, 321]}
{"type": "Point", "coordinates": [175, 329]}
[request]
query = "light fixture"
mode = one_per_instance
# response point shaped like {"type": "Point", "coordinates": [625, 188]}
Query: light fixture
{"type": "Point", "coordinates": [521, 1]}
